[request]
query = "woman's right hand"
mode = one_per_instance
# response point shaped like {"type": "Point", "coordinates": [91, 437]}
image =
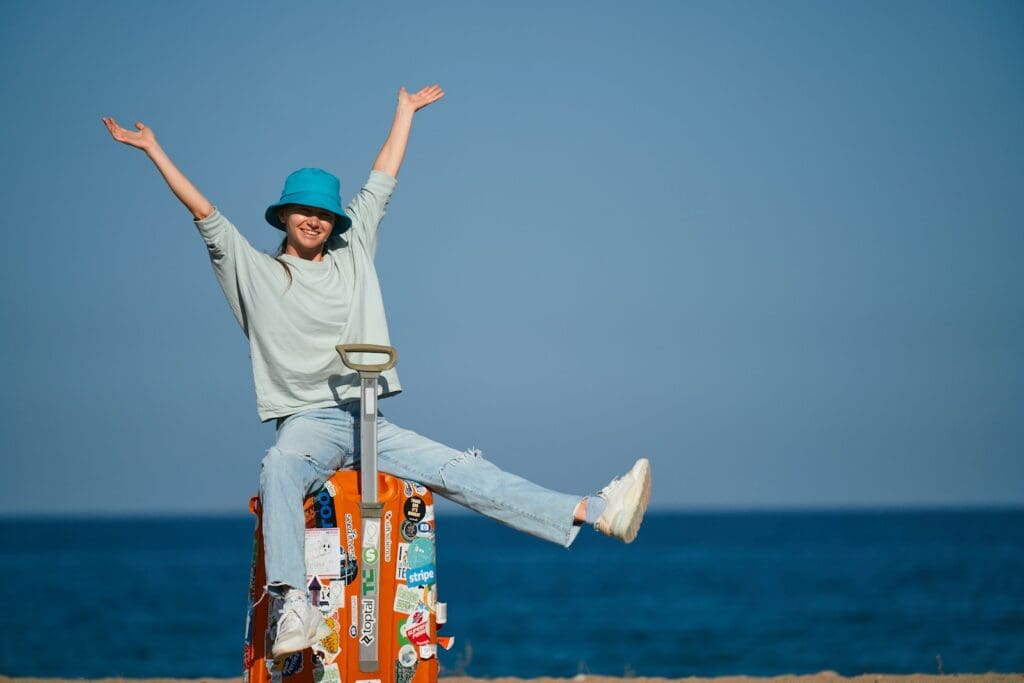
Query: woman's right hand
{"type": "Point", "coordinates": [143, 138]}
{"type": "Point", "coordinates": [182, 187]}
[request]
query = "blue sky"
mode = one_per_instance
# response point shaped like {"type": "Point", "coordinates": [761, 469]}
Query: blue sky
{"type": "Point", "coordinates": [774, 247]}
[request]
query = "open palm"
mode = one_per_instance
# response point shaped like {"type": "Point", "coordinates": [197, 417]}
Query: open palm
{"type": "Point", "coordinates": [421, 98]}
{"type": "Point", "coordinates": [143, 137]}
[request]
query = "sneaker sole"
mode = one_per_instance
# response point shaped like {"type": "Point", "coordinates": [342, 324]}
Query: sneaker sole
{"type": "Point", "coordinates": [641, 493]}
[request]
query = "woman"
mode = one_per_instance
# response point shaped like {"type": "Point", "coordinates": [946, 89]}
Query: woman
{"type": "Point", "coordinates": [322, 290]}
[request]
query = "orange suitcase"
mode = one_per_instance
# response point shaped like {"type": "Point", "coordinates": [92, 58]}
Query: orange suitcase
{"type": "Point", "coordinates": [370, 568]}
{"type": "Point", "coordinates": [409, 615]}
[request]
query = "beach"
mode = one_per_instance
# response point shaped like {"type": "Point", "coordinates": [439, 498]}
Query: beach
{"type": "Point", "coordinates": [821, 677]}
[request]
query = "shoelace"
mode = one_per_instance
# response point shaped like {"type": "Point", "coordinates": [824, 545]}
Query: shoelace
{"type": "Point", "coordinates": [292, 609]}
{"type": "Point", "coordinates": [609, 486]}
{"type": "Point", "coordinates": [294, 598]}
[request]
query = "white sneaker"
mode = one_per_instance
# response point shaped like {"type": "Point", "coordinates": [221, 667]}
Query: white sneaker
{"type": "Point", "coordinates": [626, 497]}
{"type": "Point", "coordinates": [300, 625]}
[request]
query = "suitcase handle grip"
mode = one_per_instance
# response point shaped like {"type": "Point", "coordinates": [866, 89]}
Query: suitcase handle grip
{"type": "Point", "coordinates": [345, 349]}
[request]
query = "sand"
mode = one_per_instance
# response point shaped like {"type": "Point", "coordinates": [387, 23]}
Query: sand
{"type": "Point", "coordinates": [823, 677]}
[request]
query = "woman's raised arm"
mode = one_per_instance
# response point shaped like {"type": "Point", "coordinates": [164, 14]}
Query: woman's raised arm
{"type": "Point", "coordinates": [391, 154]}
{"type": "Point", "coordinates": [143, 138]}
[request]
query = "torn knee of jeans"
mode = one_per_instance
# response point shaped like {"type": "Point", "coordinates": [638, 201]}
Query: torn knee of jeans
{"type": "Point", "coordinates": [470, 453]}
{"type": "Point", "coordinates": [267, 592]}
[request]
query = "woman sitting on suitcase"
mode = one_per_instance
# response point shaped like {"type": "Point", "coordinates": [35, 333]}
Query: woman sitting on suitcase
{"type": "Point", "coordinates": [322, 290]}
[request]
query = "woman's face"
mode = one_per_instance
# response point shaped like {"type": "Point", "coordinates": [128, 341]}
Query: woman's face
{"type": "Point", "coordinates": [307, 228]}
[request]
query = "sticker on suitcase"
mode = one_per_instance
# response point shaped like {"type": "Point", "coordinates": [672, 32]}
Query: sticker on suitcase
{"type": "Point", "coordinates": [402, 565]}
{"type": "Point", "coordinates": [414, 509]}
{"type": "Point", "coordinates": [332, 596]}
{"type": "Point", "coordinates": [407, 598]}
{"type": "Point", "coordinates": [421, 576]}
{"type": "Point", "coordinates": [407, 656]}
{"type": "Point", "coordinates": [332, 643]}
{"type": "Point", "coordinates": [369, 624]}
{"type": "Point", "coordinates": [404, 674]}
{"type": "Point", "coordinates": [327, 674]}
{"type": "Point", "coordinates": [417, 626]}
{"type": "Point", "coordinates": [323, 552]}
{"type": "Point", "coordinates": [414, 488]}
{"type": "Point", "coordinates": [388, 529]}
{"type": "Point", "coordinates": [420, 553]}
{"type": "Point", "coordinates": [323, 510]}
{"type": "Point", "coordinates": [371, 527]}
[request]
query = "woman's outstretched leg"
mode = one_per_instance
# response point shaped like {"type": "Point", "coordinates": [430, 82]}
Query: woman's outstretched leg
{"type": "Point", "coordinates": [472, 481]}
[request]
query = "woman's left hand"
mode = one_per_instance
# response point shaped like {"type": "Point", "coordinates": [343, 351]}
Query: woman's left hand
{"type": "Point", "coordinates": [417, 100]}
{"type": "Point", "coordinates": [391, 154]}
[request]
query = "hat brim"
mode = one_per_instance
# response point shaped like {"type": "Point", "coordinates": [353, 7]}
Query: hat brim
{"type": "Point", "coordinates": [319, 201]}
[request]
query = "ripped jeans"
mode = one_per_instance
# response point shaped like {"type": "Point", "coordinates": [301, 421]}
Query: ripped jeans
{"type": "Point", "coordinates": [313, 444]}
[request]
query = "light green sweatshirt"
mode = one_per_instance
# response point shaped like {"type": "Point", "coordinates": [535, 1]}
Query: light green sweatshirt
{"type": "Point", "coordinates": [293, 327]}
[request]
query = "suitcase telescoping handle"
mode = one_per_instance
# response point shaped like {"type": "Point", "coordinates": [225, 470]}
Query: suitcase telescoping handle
{"type": "Point", "coordinates": [368, 374]}
{"type": "Point", "coordinates": [369, 507]}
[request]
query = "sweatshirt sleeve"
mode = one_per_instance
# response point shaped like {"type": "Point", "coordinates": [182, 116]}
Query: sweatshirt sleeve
{"type": "Point", "coordinates": [222, 238]}
{"type": "Point", "coordinates": [367, 208]}
{"type": "Point", "coordinates": [231, 256]}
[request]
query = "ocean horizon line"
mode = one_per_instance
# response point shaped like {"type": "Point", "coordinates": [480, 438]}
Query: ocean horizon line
{"type": "Point", "coordinates": [452, 510]}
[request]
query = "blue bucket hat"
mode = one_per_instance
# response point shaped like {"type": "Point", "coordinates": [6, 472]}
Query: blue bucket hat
{"type": "Point", "coordinates": [311, 187]}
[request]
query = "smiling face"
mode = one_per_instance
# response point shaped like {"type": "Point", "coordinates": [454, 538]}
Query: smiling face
{"type": "Point", "coordinates": [307, 228]}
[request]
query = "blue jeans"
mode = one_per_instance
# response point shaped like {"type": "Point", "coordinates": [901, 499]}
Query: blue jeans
{"type": "Point", "coordinates": [313, 444]}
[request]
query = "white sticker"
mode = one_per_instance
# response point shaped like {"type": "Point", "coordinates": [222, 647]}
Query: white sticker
{"type": "Point", "coordinates": [369, 400]}
{"type": "Point", "coordinates": [402, 565]}
{"type": "Point", "coordinates": [407, 656]}
{"type": "Point", "coordinates": [332, 596]}
{"type": "Point", "coordinates": [350, 535]}
{"type": "Point", "coordinates": [353, 613]}
{"type": "Point", "coordinates": [371, 533]}
{"type": "Point", "coordinates": [406, 598]}
{"type": "Point", "coordinates": [329, 674]}
{"type": "Point", "coordinates": [369, 625]}
{"type": "Point", "coordinates": [323, 553]}
{"type": "Point", "coordinates": [417, 626]}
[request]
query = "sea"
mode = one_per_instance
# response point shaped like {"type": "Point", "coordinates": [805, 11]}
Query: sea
{"type": "Point", "coordinates": [698, 594]}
